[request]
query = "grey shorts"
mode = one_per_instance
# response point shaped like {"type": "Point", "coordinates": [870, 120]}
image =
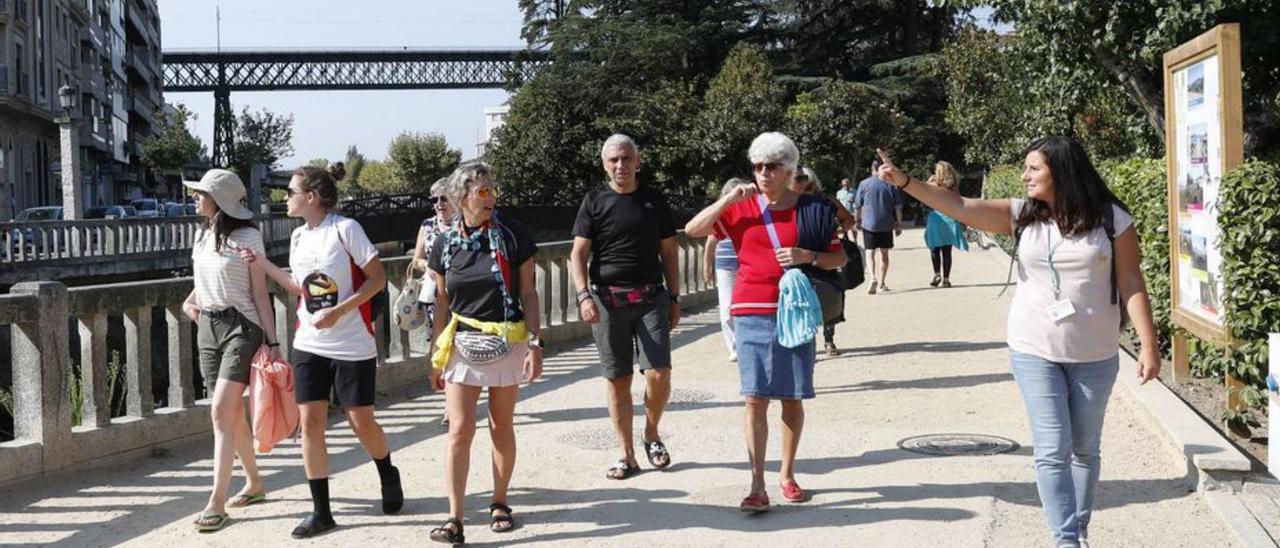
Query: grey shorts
{"type": "Point", "coordinates": [227, 342]}
{"type": "Point", "coordinates": [621, 332]}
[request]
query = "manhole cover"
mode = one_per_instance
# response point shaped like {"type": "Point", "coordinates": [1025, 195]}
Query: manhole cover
{"type": "Point", "coordinates": [948, 445]}
{"type": "Point", "coordinates": [683, 397]}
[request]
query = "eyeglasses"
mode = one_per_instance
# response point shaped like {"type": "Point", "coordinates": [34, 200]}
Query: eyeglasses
{"type": "Point", "coordinates": [486, 192]}
{"type": "Point", "coordinates": [802, 178]}
{"type": "Point", "coordinates": [290, 192]}
{"type": "Point", "coordinates": [438, 199]}
{"type": "Point", "coordinates": [761, 167]}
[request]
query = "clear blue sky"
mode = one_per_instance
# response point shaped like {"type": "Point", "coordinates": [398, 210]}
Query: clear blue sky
{"type": "Point", "coordinates": [326, 122]}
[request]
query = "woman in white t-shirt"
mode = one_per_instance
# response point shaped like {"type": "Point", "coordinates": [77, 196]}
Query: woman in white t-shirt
{"type": "Point", "coordinates": [232, 311]}
{"type": "Point", "coordinates": [335, 271]}
{"type": "Point", "coordinates": [1075, 277]}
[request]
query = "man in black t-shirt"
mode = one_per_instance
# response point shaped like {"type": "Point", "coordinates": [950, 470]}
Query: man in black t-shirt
{"type": "Point", "coordinates": [628, 233]}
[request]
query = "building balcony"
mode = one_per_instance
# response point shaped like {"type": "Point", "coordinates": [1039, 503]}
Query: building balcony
{"type": "Point", "coordinates": [95, 134]}
{"type": "Point", "coordinates": [142, 107]}
{"type": "Point", "coordinates": [92, 34]}
{"type": "Point", "coordinates": [92, 81]}
{"type": "Point", "coordinates": [140, 63]}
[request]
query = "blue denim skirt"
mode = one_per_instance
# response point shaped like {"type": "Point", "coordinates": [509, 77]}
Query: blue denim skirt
{"type": "Point", "coordinates": [768, 369]}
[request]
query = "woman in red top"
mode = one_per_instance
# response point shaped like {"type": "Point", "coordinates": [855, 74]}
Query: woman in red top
{"type": "Point", "coordinates": [768, 370]}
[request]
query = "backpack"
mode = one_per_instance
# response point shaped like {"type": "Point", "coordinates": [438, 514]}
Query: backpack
{"type": "Point", "coordinates": [1108, 226]}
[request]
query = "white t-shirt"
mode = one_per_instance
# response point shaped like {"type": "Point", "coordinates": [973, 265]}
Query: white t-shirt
{"type": "Point", "coordinates": [220, 277]}
{"type": "Point", "coordinates": [326, 262]}
{"type": "Point", "coordinates": [1083, 265]}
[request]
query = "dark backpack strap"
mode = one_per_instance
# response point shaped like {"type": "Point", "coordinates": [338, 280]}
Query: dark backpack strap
{"type": "Point", "coordinates": [1109, 225]}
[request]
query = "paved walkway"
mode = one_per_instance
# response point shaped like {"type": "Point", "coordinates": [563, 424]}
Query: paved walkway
{"type": "Point", "coordinates": [917, 361]}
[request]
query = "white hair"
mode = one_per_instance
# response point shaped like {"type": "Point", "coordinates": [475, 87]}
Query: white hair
{"type": "Point", "coordinates": [813, 178]}
{"type": "Point", "coordinates": [621, 141]}
{"type": "Point", "coordinates": [440, 187]}
{"type": "Point", "coordinates": [774, 147]}
{"type": "Point", "coordinates": [461, 181]}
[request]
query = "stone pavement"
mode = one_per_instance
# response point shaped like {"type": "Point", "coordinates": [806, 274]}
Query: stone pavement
{"type": "Point", "coordinates": [916, 361]}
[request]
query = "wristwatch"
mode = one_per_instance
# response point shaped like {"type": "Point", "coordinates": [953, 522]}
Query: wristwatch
{"type": "Point", "coordinates": [535, 342]}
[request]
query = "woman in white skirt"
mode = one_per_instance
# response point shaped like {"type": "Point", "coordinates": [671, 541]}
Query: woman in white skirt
{"type": "Point", "coordinates": [486, 335]}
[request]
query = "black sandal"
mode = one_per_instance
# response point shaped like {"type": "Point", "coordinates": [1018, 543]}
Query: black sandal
{"type": "Point", "coordinates": [655, 449]}
{"type": "Point", "coordinates": [313, 525]}
{"type": "Point", "coordinates": [624, 468]}
{"type": "Point", "coordinates": [447, 535]}
{"type": "Point", "coordinates": [500, 523]}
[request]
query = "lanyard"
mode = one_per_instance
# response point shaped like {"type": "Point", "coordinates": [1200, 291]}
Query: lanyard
{"type": "Point", "coordinates": [768, 222]}
{"type": "Point", "coordinates": [1054, 277]}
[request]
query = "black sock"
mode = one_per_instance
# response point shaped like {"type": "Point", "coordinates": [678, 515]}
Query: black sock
{"type": "Point", "coordinates": [320, 497]}
{"type": "Point", "coordinates": [385, 470]}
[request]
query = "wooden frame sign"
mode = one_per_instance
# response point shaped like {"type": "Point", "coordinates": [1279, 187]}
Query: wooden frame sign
{"type": "Point", "coordinates": [1204, 135]}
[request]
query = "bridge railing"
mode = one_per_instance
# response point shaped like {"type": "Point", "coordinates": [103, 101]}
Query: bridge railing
{"type": "Point", "coordinates": [29, 241]}
{"type": "Point", "coordinates": [45, 317]}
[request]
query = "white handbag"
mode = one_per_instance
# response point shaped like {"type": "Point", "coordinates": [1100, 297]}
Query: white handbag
{"type": "Point", "coordinates": [410, 314]}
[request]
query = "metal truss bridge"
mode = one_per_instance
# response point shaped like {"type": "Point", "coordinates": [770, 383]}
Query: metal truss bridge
{"type": "Point", "coordinates": [224, 72]}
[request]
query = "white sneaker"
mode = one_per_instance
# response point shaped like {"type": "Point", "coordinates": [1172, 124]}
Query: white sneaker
{"type": "Point", "coordinates": [884, 287]}
{"type": "Point", "coordinates": [872, 290]}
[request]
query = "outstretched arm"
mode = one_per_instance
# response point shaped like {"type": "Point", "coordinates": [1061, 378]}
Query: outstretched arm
{"type": "Point", "coordinates": [990, 215]}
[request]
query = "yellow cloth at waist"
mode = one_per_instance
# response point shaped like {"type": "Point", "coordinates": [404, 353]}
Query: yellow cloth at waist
{"type": "Point", "coordinates": [516, 332]}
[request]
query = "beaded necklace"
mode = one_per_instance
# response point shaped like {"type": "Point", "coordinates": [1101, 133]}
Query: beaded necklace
{"type": "Point", "coordinates": [471, 242]}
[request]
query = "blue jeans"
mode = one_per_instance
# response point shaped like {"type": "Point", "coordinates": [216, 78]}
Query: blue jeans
{"type": "Point", "coordinates": [1065, 404]}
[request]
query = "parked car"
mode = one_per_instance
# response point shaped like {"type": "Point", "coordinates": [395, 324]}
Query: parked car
{"type": "Point", "coordinates": [129, 211]}
{"type": "Point", "coordinates": [44, 213]}
{"type": "Point", "coordinates": [179, 210]}
{"type": "Point", "coordinates": [106, 212]}
{"type": "Point", "coordinates": [147, 207]}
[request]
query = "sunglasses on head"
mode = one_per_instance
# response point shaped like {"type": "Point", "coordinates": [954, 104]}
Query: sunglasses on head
{"type": "Point", "coordinates": [766, 166]}
{"type": "Point", "coordinates": [438, 199]}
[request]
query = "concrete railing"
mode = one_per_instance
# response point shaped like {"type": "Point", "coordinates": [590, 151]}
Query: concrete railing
{"type": "Point", "coordinates": [34, 241]}
{"type": "Point", "coordinates": [42, 315]}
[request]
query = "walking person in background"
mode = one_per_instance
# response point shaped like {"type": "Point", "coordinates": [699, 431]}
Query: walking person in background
{"type": "Point", "coordinates": [846, 196]}
{"type": "Point", "coordinates": [720, 263]}
{"type": "Point", "coordinates": [629, 234]}
{"type": "Point", "coordinates": [878, 211]}
{"type": "Point", "coordinates": [773, 228]}
{"type": "Point", "coordinates": [427, 234]}
{"type": "Point", "coordinates": [807, 182]}
{"type": "Point", "coordinates": [234, 317]}
{"type": "Point", "coordinates": [487, 330]}
{"type": "Point", "coordinates": [1078, 276]}
{"type": "Point", "coordinates": [941, 232]}
{"type": "Point", "coordinates": [335, 270]}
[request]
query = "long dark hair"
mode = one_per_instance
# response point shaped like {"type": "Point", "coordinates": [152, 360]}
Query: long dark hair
{"type": "Point", "coordinates": [223, 225]}
{"type": "Point", "coordinates": [1080, 197]}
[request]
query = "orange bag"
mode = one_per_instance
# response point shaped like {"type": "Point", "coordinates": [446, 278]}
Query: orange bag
{"type": "Point", "coordinates": [275, 410]}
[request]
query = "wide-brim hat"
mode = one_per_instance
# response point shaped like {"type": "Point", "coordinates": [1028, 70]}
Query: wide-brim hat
{"type": "Point", "coordinates": [227, 191]}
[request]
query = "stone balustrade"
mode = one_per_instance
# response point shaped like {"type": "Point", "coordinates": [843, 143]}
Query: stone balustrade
{"type": "Point", "coordinates": [37, 241]}
{"type": "Point", "coordinates": [43, 315]}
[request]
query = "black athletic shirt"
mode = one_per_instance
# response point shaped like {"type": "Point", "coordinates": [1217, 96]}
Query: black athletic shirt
{"type": "Point", "coordinates": [473, 289]}
{"type": "Point", "coordinates": [625, 232]}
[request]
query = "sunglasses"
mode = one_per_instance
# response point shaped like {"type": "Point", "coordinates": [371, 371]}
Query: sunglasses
{"type": "Point", "coordinates": [761, 167]}
{"type": "Point", "coordinates": [486, 192]}
{"type": "Point", "coordinates": [290, 192]}
{"type": "Point", "coordinates": [438, 199]}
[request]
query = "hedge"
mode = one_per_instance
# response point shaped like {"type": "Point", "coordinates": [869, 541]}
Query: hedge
{"type": "Point", "coordinates": [1249, 214]}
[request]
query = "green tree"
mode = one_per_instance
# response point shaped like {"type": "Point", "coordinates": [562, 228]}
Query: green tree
{"type": "Point", "coordinates": [380, 177]}
{"type": "Point", "coordinates": [262, 137]}
{"type": "Point", "coordinates": [418, 159]}
{"type": "Point", "coordinates": [173, 147]}
{"type": "Point", "coordinates": [742, 101]}
{"type": "Point", "coordinates": [1080, 42]}
{"type": "Point", "coordinates": [839, 125]}
{"type": "Point", "coordinates": [355, 165]}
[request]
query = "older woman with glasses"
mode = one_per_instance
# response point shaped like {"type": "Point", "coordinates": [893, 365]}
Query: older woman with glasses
{"type": "Point", "coordinates": [486, 289]}
{"type": "Point", "coordinates": [773, 228]}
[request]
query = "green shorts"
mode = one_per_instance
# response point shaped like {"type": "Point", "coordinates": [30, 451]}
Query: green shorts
{"type": "Point", "coordinates": [227, 342]}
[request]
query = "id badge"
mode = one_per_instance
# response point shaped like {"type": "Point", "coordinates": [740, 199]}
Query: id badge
{"type": "Point", "coordinates": [1061, 310]}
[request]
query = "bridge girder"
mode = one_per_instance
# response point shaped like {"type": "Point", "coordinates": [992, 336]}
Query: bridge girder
{"type": "Point", "coordinates": [224, 72]}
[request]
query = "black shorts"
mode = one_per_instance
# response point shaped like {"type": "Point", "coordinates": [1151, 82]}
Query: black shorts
{"type": "Point", "coordinates": [621, 330]}
{"type": "Point", "coordinates": [316, 377]}
{"type": "Point", "coordinates": [877, 240]}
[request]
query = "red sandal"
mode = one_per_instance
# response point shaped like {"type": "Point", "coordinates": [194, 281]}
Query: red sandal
{"type": "Point", "coordinates": [792, 492]}
{"type": "Point", "coordinates": [754, 503]}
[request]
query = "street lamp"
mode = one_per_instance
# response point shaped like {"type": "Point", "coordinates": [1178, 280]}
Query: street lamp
{"type": "Point", "coordinates": [70, 151]}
